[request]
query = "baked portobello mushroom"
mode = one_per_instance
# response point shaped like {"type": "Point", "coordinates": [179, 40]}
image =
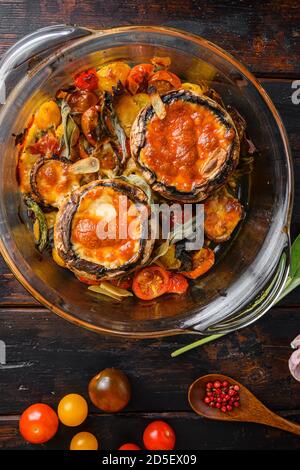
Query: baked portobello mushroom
{"type": "Point", "coordinates": [51, 179]}
{"type": "Point", "coordinates": [84, 249]}
{"type": "Point", "coordinates": [190, 152]}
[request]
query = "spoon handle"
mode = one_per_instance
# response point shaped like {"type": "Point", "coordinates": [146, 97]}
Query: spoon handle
{"type": "Point", "coordinates": [277, 421]}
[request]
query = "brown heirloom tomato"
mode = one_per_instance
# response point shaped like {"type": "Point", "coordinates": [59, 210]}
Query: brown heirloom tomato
{"type": "Point", "coordinates": [110, 390]}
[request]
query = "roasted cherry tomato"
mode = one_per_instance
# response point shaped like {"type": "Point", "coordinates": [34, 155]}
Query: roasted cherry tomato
{"type": "Point", "coordinates": [38, 423]}
{"type": "Point", "coordinates": [87, 80]}
{"type": "Point", "coordinates": [151, 282]}
{"type": "Point", "coordinates": [123, 283]}
{"type": "Point", "coordinates": [177, 284]}
{"type": "Point", "coordinates": [81, 100]}
{"type": "Point", "coordinates": [72, 409]}
{"type": "Point", "coordinates": [47, 144]}
{"type": "Point", "coordinates": [84, 441]}
{"type": "Point", "coordinates": [129, 446]}
{"type": "Point", "coordinates": [110, 390]}
{"type": "Point", "coordinates": [159, 435]}
{"type": "Point", "coordinates": [89, 282]}
{"type": "Point", "coordinates": [137, 80]}
{"type": "Point", "coordinates": [202, 260]}
{"type": "Point", "coordinates": [164, 81]}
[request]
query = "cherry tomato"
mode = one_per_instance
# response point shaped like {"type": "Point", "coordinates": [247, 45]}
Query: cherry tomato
{"type": "Point", "coordinates": [84, 441]}
{"type": "Point", "coordinates": [48, 143]}
{"type": "Point", "coordinates": [164, 81]}
{"type": "Point", "coordinates": [129, 446]}
{"type": "Point", "coordinates": [87, 80]}
{"type": "Point", "coordinates": [123, 283]}
{"type": "Point", "coordinates": [89, 282]}
{"type": "Point", "coordinates": [110, 390]}
{"type": "Point", "coordinates": [38, 423]}
{"type": "Point", "coordinates": [138, 77]}
{"type": "Point", "coordinates": [203, 260]}
{"type": "Point", "coordinates": [151, 282]}
{"type": "Point", "coordinates": [159, 435]}
{"type": "Point", "coordinates": [177, 284]}
{"type": "Point", "coordinates": [81, 100]}
{"type": "Point", "coordinates": [72, 409]}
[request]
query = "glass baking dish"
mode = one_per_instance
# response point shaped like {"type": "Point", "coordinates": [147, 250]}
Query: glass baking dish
{"type": "Point", "coordinates": [247, 279]}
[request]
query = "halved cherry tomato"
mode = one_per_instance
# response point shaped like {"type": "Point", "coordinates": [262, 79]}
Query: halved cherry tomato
{"type": "Point", "coordinates": [129, 446]}
{"type": "Point", "coordinates": [138, 77]}
{"type": "Point", "coordinates": [123, 283]}
{"type": "Point", "coordinates": [151, 282]}
{"type": "Point", "coordinates": [87, 80]}
{"type": "Point", "coordinates": [38, 423]}
{"type": "Point", "coordinates": [48, 143]}
{"type": "Point", "coordinates": [159, 435]}
{"type": "Point", "coordinates": [163, 81]}
{"type": "Point", "coordinates": [177, 284]}
{"type": "Point", "coordinates": [203, 260]}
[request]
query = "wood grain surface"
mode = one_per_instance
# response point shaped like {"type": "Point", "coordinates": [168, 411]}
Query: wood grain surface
{"type": "Point", "coordinates": [47, 357]}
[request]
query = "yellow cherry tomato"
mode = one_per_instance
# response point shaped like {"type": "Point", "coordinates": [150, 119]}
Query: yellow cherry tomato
{"type": "Point", "coordinates": [110, 74]}
{"type": "Point", "coordinates": [48, 115]}
{"type": "Point", "coordinates": [72, 409]}
{"type": "Point", "coordinates": [84, 441]}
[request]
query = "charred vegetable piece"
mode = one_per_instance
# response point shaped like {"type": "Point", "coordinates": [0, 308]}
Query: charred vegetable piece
{"type": "Point", "coordinates": [109, 75]}
{"type": "Point", "coordinates": [151, 282]}
{"type": "Point", "coordinates": [190, 152]}
{"type": "Point", "coordinates": [51, 180]}
{"type": "Point", "coordinates": [41, 233]}
{"type": "Point", "coordinates": [91, 125]}
{"type": "Point", "coordinates": [202, 261]}
{"type": "Point", "coordinates": [89, 215]}
{"type": "Point", "coordinates": [222, 214]}
{"type": "Point", "coordinates": [87, 80]}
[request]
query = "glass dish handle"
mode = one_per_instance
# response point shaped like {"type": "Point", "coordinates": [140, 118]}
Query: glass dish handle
{"type": "Point", "coordinates": [259, 306]}
{"type": "Point", "coordinates": [28, 51]}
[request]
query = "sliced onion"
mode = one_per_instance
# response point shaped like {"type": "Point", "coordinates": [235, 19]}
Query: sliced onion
{"type": "Point", "coordinates": [86, 165]}
{"type": "Point", "coordinates": [158, 106]}
{"type": "Point", "coordinates": [294, 361]}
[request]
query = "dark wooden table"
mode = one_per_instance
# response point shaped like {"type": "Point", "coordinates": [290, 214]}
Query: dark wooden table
{"type": "Point", "coordinates": [47, 357]}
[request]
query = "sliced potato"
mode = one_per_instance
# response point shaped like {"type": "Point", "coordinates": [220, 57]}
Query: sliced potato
{"type": "Point", "coordinates": [128, 107]}
{"type": "Point", "coordinates": [109, 75]}
{"type": "Point", "coordinates": [222, 214]}
{"type": "Point", "coordinates": [48, 115]}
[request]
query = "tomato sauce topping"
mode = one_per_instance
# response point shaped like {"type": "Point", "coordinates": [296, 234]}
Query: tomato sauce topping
{"type": "Point", "coordinates": [96, 228]}
{"type": "Point", "coordinates": [54, 181]}
{"type": "Point", "coordinates": [187, 144]}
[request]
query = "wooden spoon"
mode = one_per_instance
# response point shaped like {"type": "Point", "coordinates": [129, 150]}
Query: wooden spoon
{"type": "Point", "coordinates": [251, 410]}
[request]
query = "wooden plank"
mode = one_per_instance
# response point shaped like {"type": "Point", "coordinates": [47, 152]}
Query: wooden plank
{"type": "Point", "coordinates": [46, 358]}
{"type": "Point", "coordinates": [11, 293]}
{"type": "Point", "coordinates": [192, 432]}
{"type": "Point", "coordinates": [264, 35]}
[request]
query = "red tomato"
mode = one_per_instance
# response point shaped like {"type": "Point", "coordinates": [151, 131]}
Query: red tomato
{"type": "Point", "coordinates": [129, 446]}
{"type": "Point", "coordinates": [89, 282]}
{"type": "Point", "coordinates": [151, 282]}
{"type": "Point", "coordinates": [123, 283]}
{"type": "Point", "coordinates": [165, 76]}
{"type": "Point", "coordinates": [158, 435]}
{"type": "Point", "coordinates": [138, 77]}
{"type": "Point", "coordinates": [48, 143]}
{"type": "Point", "coordinates": [177, 284]}
{"type": "Point", "coordinates": [87, 80]}
{"type": "Point", "coordinates": [38, 423]}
